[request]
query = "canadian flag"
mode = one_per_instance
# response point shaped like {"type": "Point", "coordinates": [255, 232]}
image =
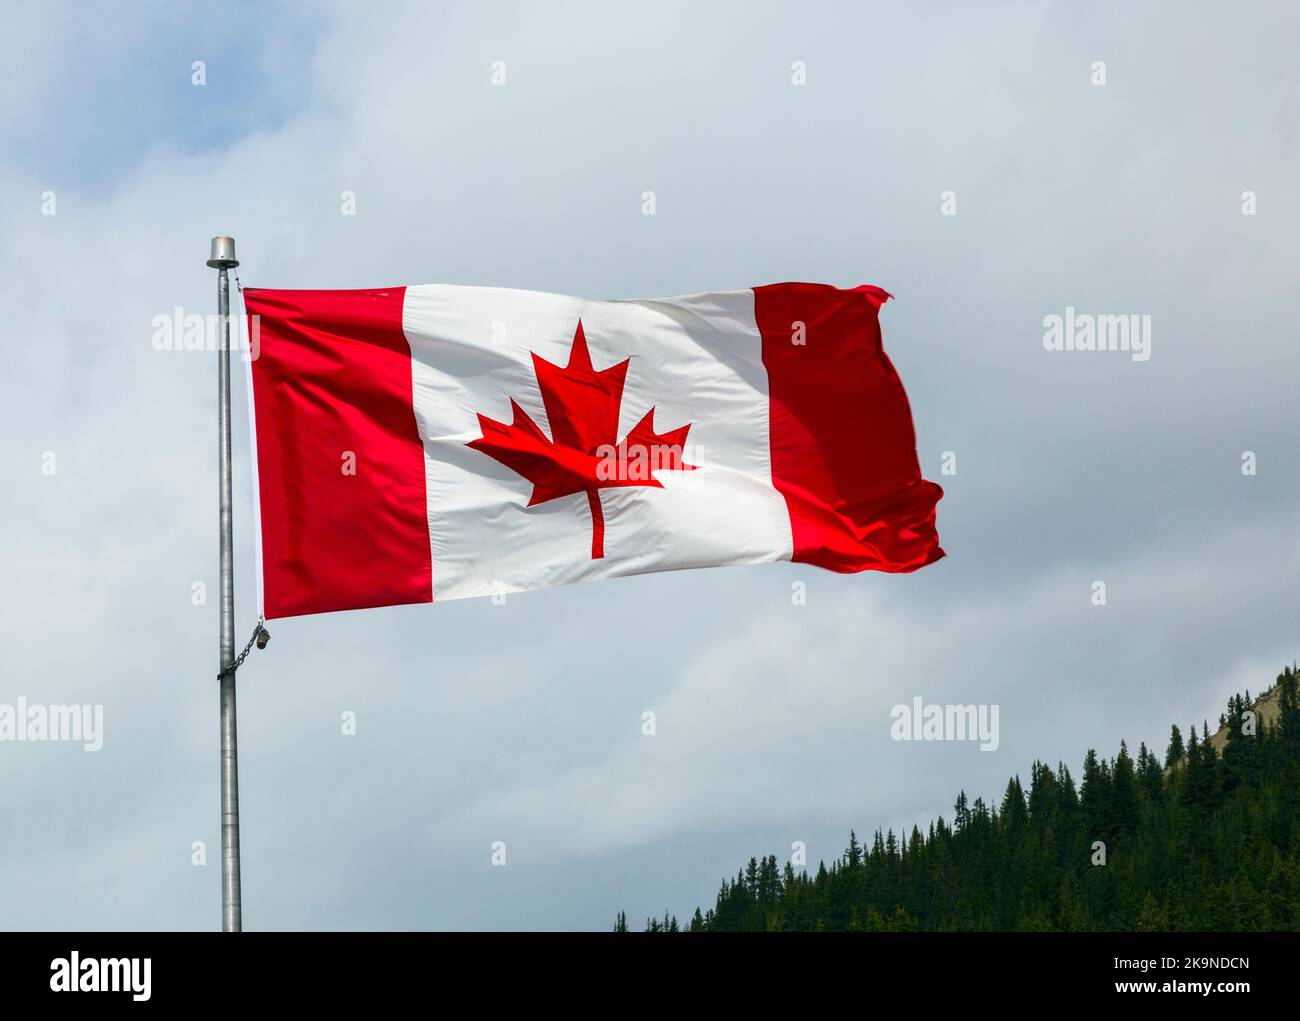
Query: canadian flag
{"type": "Point", "coordinates": [422, 443]}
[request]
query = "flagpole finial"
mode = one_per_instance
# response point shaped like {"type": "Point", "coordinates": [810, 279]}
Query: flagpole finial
{"type": "Point", "coordinates": [222, 255]}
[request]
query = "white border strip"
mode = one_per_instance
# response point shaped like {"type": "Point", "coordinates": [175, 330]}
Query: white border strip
{"type": "Point", "coordinates": [252, 456]}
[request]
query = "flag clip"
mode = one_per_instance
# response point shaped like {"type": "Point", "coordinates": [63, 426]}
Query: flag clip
{"type": "Point", "coordinates": [260, 636]}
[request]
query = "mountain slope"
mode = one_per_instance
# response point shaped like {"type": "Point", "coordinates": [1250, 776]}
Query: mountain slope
{"type": "Point", "coordinates": [1208, 840]}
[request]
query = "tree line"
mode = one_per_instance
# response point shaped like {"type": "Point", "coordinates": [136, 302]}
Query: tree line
{"type": "Point", "coordinates": [1203, 840]}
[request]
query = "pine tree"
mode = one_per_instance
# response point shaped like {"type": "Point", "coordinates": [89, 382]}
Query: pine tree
{"type": "Point", "coordinates": [853, 854]}
{"type": "Point", "coordinates": [1174, 753]}
{"type": "Point", "coordinates": [1094, 797]}
{"type": "Point", "coordinates": [751, 879]}
{"type": "Point", "coordinates": [1014, 812]}
{"type": "Point", "coordinates": [1150, 779]}
{"type": "Point", "coordinates": [962, 817]}
{"type": "Point", "coordinates": [1124, 795]}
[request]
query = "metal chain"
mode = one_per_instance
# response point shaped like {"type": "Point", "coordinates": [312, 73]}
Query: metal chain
{"type": "Point", "coordinates": [258, 631]}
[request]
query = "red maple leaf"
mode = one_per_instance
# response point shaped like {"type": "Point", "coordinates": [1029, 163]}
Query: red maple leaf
{"type": "Point", "coordinates": [581, 455]}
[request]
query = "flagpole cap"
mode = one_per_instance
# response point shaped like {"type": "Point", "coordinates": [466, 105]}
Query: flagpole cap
{"type": "Point", "coordinates": [223, 253]}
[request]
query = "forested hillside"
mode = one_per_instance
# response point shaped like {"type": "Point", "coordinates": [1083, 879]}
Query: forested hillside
{"type": "Point", "coordinates": [1201, 840]}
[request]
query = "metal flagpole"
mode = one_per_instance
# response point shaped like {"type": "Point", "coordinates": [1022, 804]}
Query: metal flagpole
{"type": "Point", "coordinates": [222, 258]}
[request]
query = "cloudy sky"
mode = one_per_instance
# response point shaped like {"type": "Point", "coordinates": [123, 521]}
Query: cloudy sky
{"type": "Point", "coordinates": [522, 723]}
